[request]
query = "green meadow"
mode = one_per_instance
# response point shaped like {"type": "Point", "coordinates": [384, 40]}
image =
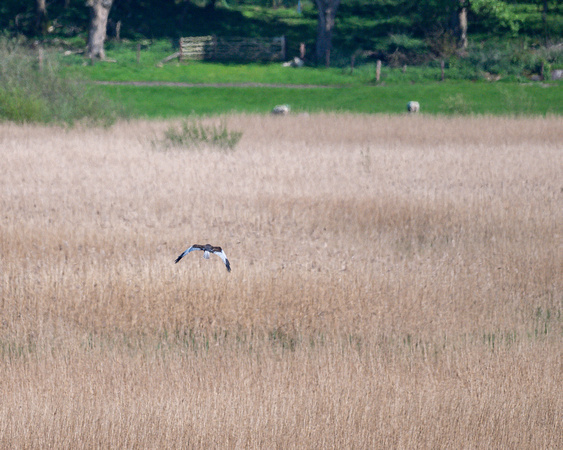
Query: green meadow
{"type": "Point", "coordinates": [460, 97]}
{"type": "Point", "coordinates": [176, 88]}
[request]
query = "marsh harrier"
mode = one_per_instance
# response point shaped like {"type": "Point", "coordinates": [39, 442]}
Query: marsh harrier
{"type": "Point", "coordinates": [207, 249]}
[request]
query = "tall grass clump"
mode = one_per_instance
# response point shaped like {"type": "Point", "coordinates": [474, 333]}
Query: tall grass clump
{"type": "Point", "coordinates": [32, 89]}
{"type": "Point", "coordinates": [195, 134]}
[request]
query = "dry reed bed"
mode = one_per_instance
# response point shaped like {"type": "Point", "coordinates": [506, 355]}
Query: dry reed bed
{"type": "Point", "coordinates": [396, 282]}
{"type": "Point", "coordinates": [329, 397]}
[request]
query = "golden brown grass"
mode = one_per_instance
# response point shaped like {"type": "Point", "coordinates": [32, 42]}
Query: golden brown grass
{"type": "Point", "coordinates": [397, 282]}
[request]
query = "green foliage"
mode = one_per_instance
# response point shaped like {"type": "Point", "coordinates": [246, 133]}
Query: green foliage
{"type": "Point", "coordinates": [456, 104]}
{"type": "Point", "coordinates": [496, 15]}
{"type": "Point", "coordinates": [17, 106]}
{"type": "Point", "coordinates": [396, 31]}
{"type": "Point", "coordinates": [65, 18]}
{"type": "Point", "coordinates": [194, 134]}
{"type": "Point", "coordinates": [509, 59]}
{"type": "Point", "coordinates": [34, 91]}
{"type": "Point", "coordinates": [404, 49]}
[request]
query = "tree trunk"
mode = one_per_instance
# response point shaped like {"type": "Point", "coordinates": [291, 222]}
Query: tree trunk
{"type": "Point", "coordinates": [327, 13]}
{"type": "Point", "coordinates": [458, 24]}
{"type": "Point", "coordinates": [544, 19]}
{"type": "Point", "coordinates": [462, 36]}
{"type": "Point", "coordinates": [40, 17]}
{"type": "Point", "coordinates": [99, 12]}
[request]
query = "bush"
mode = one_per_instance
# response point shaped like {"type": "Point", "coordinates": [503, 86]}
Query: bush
{"type": "Point", "coordinates": [456, 104]}
{"type": "Point", "coordinates": [510, 59]}
{"type": "Point", "coordinates": [17, 106]}
{"type": "Point", "coordinates": [403, 49]}
{"type": "Point", "coordinates": [194, 134]}
{"type": "Point", "coordinates": [31, 91]}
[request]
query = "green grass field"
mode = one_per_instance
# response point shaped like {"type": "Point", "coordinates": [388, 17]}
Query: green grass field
{"type": "Point", "coordinates": [435, 98]}
{"type": "Point", "coordinates": [343, 90]}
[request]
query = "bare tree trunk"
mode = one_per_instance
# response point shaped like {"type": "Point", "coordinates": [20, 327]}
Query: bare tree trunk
{"type": "Point", "coordinates": [458, 23]}
{"type": "Point", "coordinates": [327, 13]}
{"type": "Point", "coordinates": [462, 20]}
{"type": "Point", "coordinates": [40, 17]}
{"type": "Point", "coordinates": [99, 12]}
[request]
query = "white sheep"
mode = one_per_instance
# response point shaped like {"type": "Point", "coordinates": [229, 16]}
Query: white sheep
{"type": "Point", "coordinates": [282, 110]}
{"type": "Point", "coordinates": [413, 107]}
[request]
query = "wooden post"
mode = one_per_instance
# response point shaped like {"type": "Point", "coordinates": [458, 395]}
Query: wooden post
{"type": "Point", "coordinates": [40, 57]}
{"type": "Point", "coordinates": [118, 31]}
{"type": "Point", "coordinates": [302, 50]}
{"type": "Point", "coordinates": [442, 66]}
{"type": "Point", "coordinates": [138, 53]}
{"type": "Point", "coordinates": [378, 70]}
{"type": "Point", "coordinates": [283, 48]}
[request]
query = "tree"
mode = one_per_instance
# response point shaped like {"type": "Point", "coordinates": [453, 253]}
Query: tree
{"type": "Point", "coordinates": [460, 24]}
{"type": "Point", "coordinates": [40, 17]}
{"type": "Point", "coordinates": [327, 13]}
{"type": "Point", "coordinates": [496, 15]}
{"type": "Point", "coordinates": [99, 12]}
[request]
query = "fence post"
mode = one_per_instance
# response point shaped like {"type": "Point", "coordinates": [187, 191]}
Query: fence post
{"type": "Point", "coordinates": [442, 65]}
{"type": "Point", "coordinates": [40, 56]}
{"type": "Point", "coordinates": [378, 70]}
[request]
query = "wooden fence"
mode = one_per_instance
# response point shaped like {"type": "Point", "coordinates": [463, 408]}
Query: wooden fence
{"type": "Point", "coordinates": [233, 48]}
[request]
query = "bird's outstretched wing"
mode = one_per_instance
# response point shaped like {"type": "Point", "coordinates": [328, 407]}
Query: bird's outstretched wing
{"type": "Point", "coordinates": [221, 254]}
{"type": "Point", "coordinates": [191, 249]}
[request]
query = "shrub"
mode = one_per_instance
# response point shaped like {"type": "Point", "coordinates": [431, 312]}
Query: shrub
{"type": "Point", "coordinates": [17, 106]}
{"type": "Point", "coordinates": [403, 49]}
{"type": "Point", "coordinates": [456, 104]}
{"type": "Point", "coordinates": [195, 135]}
{"type": "Point", "coordinates": [30, 92]}
{"type": "Point", "coordinates": [510, 59]}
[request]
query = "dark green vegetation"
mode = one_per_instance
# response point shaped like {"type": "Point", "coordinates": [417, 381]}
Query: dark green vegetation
{"type": "Point", "coordinates": [396, 31]}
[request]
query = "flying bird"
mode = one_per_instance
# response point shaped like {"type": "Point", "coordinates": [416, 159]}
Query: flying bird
{"type": "Point", "coordinates": [207, 249]}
